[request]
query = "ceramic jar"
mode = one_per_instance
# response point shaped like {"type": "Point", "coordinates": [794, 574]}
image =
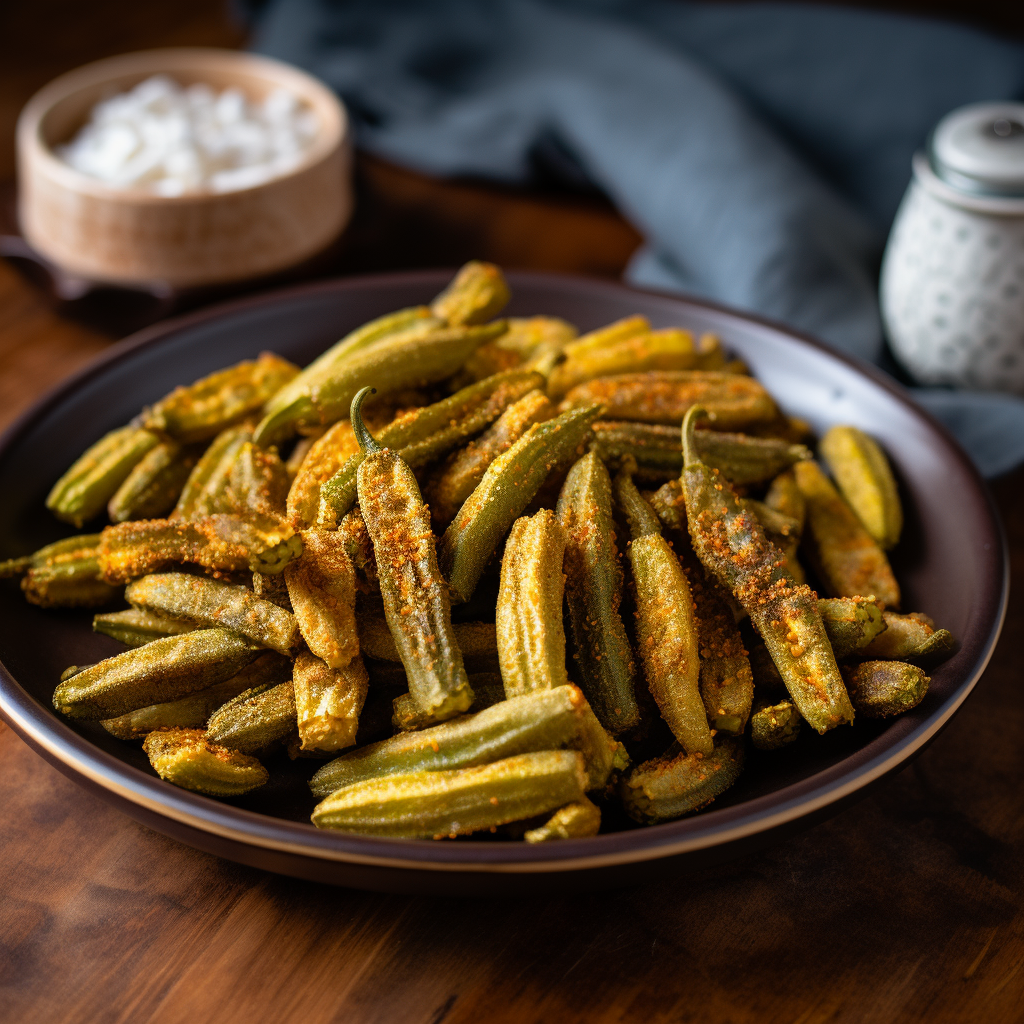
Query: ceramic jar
{"type": "Point", "coordinates": [952, 286]}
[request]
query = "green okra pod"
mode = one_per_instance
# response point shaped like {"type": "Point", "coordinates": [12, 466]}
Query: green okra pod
{"type": "Point", "coordinates": [397, 363]}
{"type": "Point", "coordinates": [406, 715]}
{"type": "Point", "coordinates": [573, 821]}
{"type": "Point", "coordinates": [416, 602]}
{"type": "Point", "coordinates": [84, 490]}
{"type": "Point", "coordinates": [256, 720]}
{"type": "Point", "coordinates": [70, 580]}
{"type": "Point", "coordinates": [161, 671]}
{"type": "Point", "coordinates": [851, 623]}
{"type": "Point", "coordinates": [425, 805]}
{"type": "Point", "coordinates": [542, 720]}
{"type": "Point", "coordinates": [881, 689]}
{"type": "Point", "coordinates": [187, 759]}
{"type": "Point", "coordinates": [864, 477]}
{"type": "Point", "coordinates": [476, 294]}
{"type": "Point", "coordinates": [530, 635]}
{"type": "Point", "coordinates": [426, 434]}
{"type": "Point", "coordinates": [912, 637]}
{"type": "Point", "coordinates": [677, 783]}
{"type": "Point", "coordinates": [155, 483]}
{"type": "Point", "coordinates": [135, 627]}
{"type": "Point", "coordinates": [209, 602]}
{"type": "Point", "coordinates": [731, 544]}
{"type": "Point", "coordinates": [611, 334]}
{"type": "Point", "coordinates": [328, 701]}
{"type": "Point", "coordinates": [258, 483]}
{"type": "Point", "coordinates": [594, 591]}
{"type": "Point", "coordinates": [774, 725]}
{"type": "Point", "coordinates": [667, 636]}
{"type": "Point", "coordinates": [205, 490]}
{"type": "Point", "coordinates": [507, 487]}
{"type": "Point", "coordinates": [843, 554]}
{"type": "Point", "coordinates": [203, 409]}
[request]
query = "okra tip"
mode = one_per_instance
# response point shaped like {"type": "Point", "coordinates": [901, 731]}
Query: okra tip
{"type": "Point", "coordinates": [367, 444]}
{"type": "Point", "coordinates": [690, 454]}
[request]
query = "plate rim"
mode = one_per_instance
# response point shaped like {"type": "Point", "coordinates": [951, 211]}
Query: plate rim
{"type": "Point", "coordinates": [76, 755]}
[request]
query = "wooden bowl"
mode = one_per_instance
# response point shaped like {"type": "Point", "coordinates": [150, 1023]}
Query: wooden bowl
{"type": "Point", "coordinates": [129, 236]}
{"type": "Point", "coordinates": [951, 564]}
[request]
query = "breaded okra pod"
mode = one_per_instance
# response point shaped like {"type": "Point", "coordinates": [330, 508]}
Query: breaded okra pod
{"type": "Point", "coordinates": [426, 805]}
{"type": "Point", "coordinates": [258, 483]}
{"type": "Point", "coordinates": [477, 293]}
{"type": "Point", "coordinates": [406, 715]}
{"type": "Point", "coordinates": [573, 821]}
{"type": "Point", "coordinates": [155, 482]}
{"type": "Point", "coordinates": [773, 726]}
{"type": "Point", "coordinates": [732, 545]}
{"type": "Point", "coordinates": [666, 625]}
{"type": "Point", "coordinates": [205, 490]}
{"type": "Point", "coordinates": [528, 617]}
{"type": "Point", "coordinates": [65, 574]}
{"type": "Point", "coordinates": [256, 720]}
{"type": "Point", "coordinates": [186, 758]}
{"type": "Point", "coordinates": [851, 623]}
{"type": "Point", "coordinates": [328, 701]}
{"type": "Point", "coordinates": [416, 602]}
{"type": "Point", "coordinates": [881, 689]}
{"type": "Point", "coordinates": [843, 554]}
{"type": "Point", "coordinates": [135, 627]}
{"type": "Point", "coordinates": [912, 637]}
{"type": "Point", "coordinates": [543, 720]}
{"type": "Point", "coordinates": [326, 456]}
{"type": "Point", "coordinates": [607, 671]}
{"type": "Point", "coordinates": [663, 396]}
{"type": "Point", "coordinates": [163, 670]}
{"type": "Point", "coordinates": [508, 486]}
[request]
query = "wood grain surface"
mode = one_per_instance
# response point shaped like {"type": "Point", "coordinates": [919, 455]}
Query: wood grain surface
{"type": "Point", "coordinates": [907, 906]}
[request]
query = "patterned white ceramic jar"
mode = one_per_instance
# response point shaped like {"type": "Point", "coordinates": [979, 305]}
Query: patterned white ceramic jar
{"type": "Point", "coordinates": [952, 288]}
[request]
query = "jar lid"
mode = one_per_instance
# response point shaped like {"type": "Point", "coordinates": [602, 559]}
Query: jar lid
{"type": "Point", "coordinates": [980, 149]}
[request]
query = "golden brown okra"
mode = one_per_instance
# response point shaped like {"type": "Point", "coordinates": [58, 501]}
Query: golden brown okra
{"type": "Point", "coordinates": [415, 597]}
{"type": "Point", "coordinates": [161, 671]}
{"type": "Point", "coordinates": [663, 396]}
{"type": "Point", "coordinates": [135, 627]}
{"type": "Point", "coordinates": [677, 783]}
{"type": "Point", "coordinates": [880, 689]}
{"type": "Point", "coordinates": [851, 623]}
{"type": "Point", "coordinates": [186, 758]}
{"type": "Point", "coordinates": [542, 720]}
{"type": "Point", "coordinates": [476, 294]}
{"type": "Point", "coordinates": [508, 486]}
{"type": "Point", "coordinates": [573, 821]}
{"type": "Point", "coordinates": [667, 635]}
{"type": "Point", "coordinates": [863, 475]}
{"type": "Point", "coordinates": [326, 456]}
{"type": "Point", "coordinates": [84, 490]}
{"type": "Point", "coordinates": [258, 483]}
{"type": "Point", "coordinates": [256, 720]}
{"type": "Point", "coordinates": [594, 591]}
{"type": "Point", "coordinates": [205, 490]}
{"type": "Point", "coordinates": [322, 589]}
{"type": "Point", "coordinates": [155, 483]}
{"type": "Point", "coordinates": [844, 555]}
{"type": "Point", "coordinates": [528, 617]}
{"type": "Point", "coordinates": [425, 805]}
{"type": "Point", "coordinates": [774, 725]}
{"type": "Point", "coordinates": [212, 603]}
{"type": "Point", "coordinates": [328, 701]}
{"type": "Point", "coordinates": [911, 637]}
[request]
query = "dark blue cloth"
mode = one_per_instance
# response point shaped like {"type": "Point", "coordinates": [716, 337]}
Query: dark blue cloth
{"type": "Point", "coordinates": [762, 149]}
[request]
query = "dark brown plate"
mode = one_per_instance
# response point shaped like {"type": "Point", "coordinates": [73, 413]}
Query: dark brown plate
{"type": "Point", "coordinates": [952, 564]}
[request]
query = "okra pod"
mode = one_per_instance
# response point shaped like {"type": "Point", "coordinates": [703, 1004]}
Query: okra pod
{"type": "Point", "coordinates": [573, 821]}
{"type": "Point", "coordinates": [84, 490]}
{"type": "Point", "coordinates": [258, 483]}
{"type": "Point", "coordinates": [731, 544]}
{"type": "Point", "coordinates": [530, 636]}
{"type": "Point", "coordinates": [663, 396]}
{"type": "Point", "coordinates": [68, 580]}
{"type": "Point", "coordinates": [421, 436]}
{"type": "Point", "coordinates": [465, 468]}
{"type": "Point", "coordinates": [843, 554]}
{"type": "Point", "coordinates": [542, 720]}
{"type": "Point", "coordinates": [328, 701]}
{"type": "Point", "coordinates": [187, 759]}
{"type": "Point", "coordinates": [203, 409]}
{"type": "Point", "coordinates": [476, 294]}
{"type": "Point", "coordinates": [863, 475]}
{"type": "Point", "coordinates": [881, 689]}
{"type": "Point", "coordinates": [527, 335]}
{"type": "Point", "coordinates": [209, 602]}
{"type": "Point", "coordinates": [397, 363]}
{"type": "Point", "coordinates": [221, 542]}
{"type": "Point", "coordinates": [406, 715]}
{"type": "Point", "coordinates": [910, 637]}
{"type": "Point", "coordinates": [424, 805]}
{"type": "Point", "coordinates": [416, 602]}
{"type": "Point", "coordinates": [205, 490]}
{"type": "Point", "coordinates": [135, 627]}
{"type": "Point", "coordinates": [505, 490]}
{"type": "Point", "coordinates": [155, 483]}
{"type": "Point", "coordinates": [254, 721]}
{"type": "Point", "coordinates": [851, 623]}
{"type": "Point", "coordinates": [666, 625]}
{"type": "Point", "coordinates": [161, 671]}
{"type": "Point", "coordinates": [325, 457]}
{"type": "Point", "coordinates": [322, 589]}
{"type": "Point", "coordinates": [774, 725]}
{"type": "Point", "coordinates": [611, 334]}
{"type": "Point", "coordinates": [677, 783]}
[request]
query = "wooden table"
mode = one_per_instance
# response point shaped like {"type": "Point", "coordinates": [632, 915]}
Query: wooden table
{"type": "Point", "coordinates": [907, 906]}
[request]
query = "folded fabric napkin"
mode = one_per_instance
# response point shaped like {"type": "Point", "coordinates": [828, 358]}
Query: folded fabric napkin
{"type": "Point", "coordinates": [762, 149]}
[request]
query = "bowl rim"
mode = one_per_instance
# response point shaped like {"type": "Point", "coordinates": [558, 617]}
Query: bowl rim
{"type": "Point", "coordinates": [903, 739]}
{"type": "Point", "coordinates": [36, 155]}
